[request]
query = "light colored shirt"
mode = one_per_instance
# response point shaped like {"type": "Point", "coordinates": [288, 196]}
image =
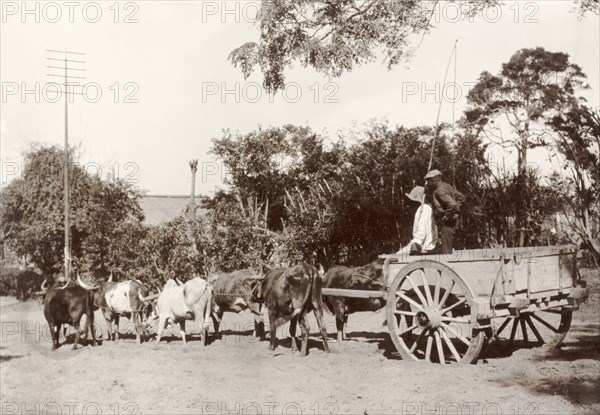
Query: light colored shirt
{"type": "Point", "coordinates": [424, 230]}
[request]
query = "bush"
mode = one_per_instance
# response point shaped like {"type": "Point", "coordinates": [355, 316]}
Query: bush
{"type": "Point", "coordinates": [19, 284]}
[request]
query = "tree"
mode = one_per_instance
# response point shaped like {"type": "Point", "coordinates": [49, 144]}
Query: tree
{"type": "Point", "coordinates": [578, 140]}
{"type": "Point", "coordinates": [167, 252]}
{"type": "Point", "coordinates": [239, 236]}
{"type": "Point", "coordinates": [105, 217]}
{"type": "Point", "coordinates": [335, 36]}
{"type": "Point", "coordinates": [513, 108]}
{"type": "Point", "coordinates": [266, 162]}
{"type": "Point", "coordinates": [585, 6]}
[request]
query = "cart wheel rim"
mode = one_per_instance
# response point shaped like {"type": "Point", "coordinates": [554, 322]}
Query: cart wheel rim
{"type": "Point", "coordinates": [432, 324]}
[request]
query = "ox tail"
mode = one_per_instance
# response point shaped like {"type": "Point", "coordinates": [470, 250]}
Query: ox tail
{"type": "Point", "coordinates": [209, 300]}
{"type": "Point", "coordinates": [317, 285]}
{"type": "Point", "coordinates": [325, 299]}
{"type": "Point", "coordinates": [89, 311]}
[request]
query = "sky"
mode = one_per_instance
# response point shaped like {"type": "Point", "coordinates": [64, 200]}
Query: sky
{"type": "Point", "coordinates": [159, 86]}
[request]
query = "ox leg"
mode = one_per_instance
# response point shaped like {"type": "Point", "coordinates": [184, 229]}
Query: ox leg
{"type": "Point", "coordinates": [161, 327]}
{"type": "Point", "coordinates": [259, 327]}
{"type": "Point", "coordinates": [304, 329]}
{"type": "Point", "coordinates": [216, 319]}
{"type": "Point", "coordinates": [55, 335]}
{"type": "Point", "coordinates": [109, 319]}
{"type": "Point", "coordinates": [273, 330]}
{"type": "Point", "coordinates": [339, 325]}
{"type": "Point", "coordinates": [203, 325]}
{"type": "Point", "coordinates": [92, 329]}
{"type": "Point", "coordinates": [344, 326]}
{"type": "Point", "coordinates": [137, 321]}
{"type": "Point", "coordinates": [319, 317]}
{"type": "Point", "coordinates": [77, 333]}
{"type": "Point", "coordinates": [116, 332]}
{"type": "Point", "coordinates": [293, 323]}
{"type": "Point", "coordinates": [182, 330]}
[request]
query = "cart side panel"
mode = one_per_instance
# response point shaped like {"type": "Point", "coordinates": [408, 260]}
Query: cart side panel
{"type": "Point", "coordinates": [518, 273]}
{"type": "Point", "coordinates": [567, 270]}
{"type": "Point", "coordinates": [481, 276]}
{"type": "Point", "coordinates": [543, 274]}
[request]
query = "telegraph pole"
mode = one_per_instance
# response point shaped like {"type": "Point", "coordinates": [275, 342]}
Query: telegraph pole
{"type": "Point", "coordinates": [63, 57]}
{"type": "Point", "coordinates": [194, 168]}
{"type": "Point", "coordinates": [191, 208]}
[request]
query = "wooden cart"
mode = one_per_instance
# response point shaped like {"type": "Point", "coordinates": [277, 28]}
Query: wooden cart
{"type": "Point", "coordinates": [442, 308]}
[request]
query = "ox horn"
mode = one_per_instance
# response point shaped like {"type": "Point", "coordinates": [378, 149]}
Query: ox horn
{"type": "Point", "coordinates": [84, 285]}
{"type": "Point", "coordinates": [43, 288]}
{"type": "Point", "coordinates": [149, 298]}
{"type": "Point", "coordinates": [110, 278]}
{"type": "Point", "coordinates": [178, 281]}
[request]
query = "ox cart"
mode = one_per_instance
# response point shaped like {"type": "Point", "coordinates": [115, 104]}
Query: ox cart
{"type": "Point", "coordinates": [443, 308]}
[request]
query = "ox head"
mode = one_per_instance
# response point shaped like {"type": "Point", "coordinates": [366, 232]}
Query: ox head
{"type": "Point", "coordinates": [55, 285]}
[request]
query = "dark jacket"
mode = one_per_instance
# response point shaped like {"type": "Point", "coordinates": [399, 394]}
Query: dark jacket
{"type": "Point", "coordinates": [446, 203]}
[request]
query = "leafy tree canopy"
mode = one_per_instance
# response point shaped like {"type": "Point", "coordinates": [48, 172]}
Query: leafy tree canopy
{"type": "Point", "coordinates": [105, 218]}
{"type": "Point", "coordinates": [335, 36]}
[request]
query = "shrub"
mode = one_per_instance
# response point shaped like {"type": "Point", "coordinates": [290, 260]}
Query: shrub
{"type": "Point", "coordinates": [19, 284]}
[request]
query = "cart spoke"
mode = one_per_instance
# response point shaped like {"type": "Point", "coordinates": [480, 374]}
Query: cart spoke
{"type": "Point", "coordinates": [440, 349]}
{"type": "Point", "coordinates": [417, 290]}
{"type": "Point", "coordinates": [446, 295]}
{"type": "Point", "coordinates": [513, 330]}
{"type": "Point", "coordinates": [436, 294]}
{"type": "Point", "coordinates": [524, 330]}
{"type": "Point", "coordinates": [458, 335]}
{"type": "Point", "coordinates": [428, 349]}
{"type": "Point", "coordinates": [459, 302]}
{"type": "Point", "coordinates": [534, 329]}
{"type": "Point", "coordinates": [502, 326]}
{"type": "Point", "coordinates": [409, 300]}
{"type": "Point", "coordinates": [416, 343]}
{"type": "Point", "coordinates": [426, 287]}
{"type": "Point", "coordinates": [450, 345]}
{"type": "Point", "coordinates": [545, 323]}
{"type": "Point", "coordinates": [405, 313]}
{"type": "Point", "coordinates": [411, 328]}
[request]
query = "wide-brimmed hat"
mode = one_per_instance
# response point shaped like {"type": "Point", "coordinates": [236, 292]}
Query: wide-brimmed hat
{"type": "Point", "coordinates": [416, 194]}
{"type": "Point", "coordinates": [433, 173]}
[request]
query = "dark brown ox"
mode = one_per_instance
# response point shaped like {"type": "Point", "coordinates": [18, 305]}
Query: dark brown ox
{"type": "Point", "coordinates": [368, 277]}
{"type": "Point", "coordinates": [125, 298]}
{"type": "Point", "coordinates": [235, 292]}
{"type": "Point", "coordinates": [67, 305]}
{"type": "Point", "coordinates": [291, 293]}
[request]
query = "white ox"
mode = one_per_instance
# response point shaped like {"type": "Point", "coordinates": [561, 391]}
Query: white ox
{"type": "Point", "coordinates": [177, 303]}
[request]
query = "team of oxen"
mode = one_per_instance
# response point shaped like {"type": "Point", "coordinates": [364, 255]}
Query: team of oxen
{"type": "Point", "coordinates": [288, 294]}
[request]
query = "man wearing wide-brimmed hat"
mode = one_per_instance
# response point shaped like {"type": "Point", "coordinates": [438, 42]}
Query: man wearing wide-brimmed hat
{"type": "Point", "coordinates": [424, 229]}
{"type": "Point", "coordinates": [445, 202]}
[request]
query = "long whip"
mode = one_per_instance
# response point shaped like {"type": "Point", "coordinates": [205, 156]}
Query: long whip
{"type": "Point", "coordinates": [437, 120]}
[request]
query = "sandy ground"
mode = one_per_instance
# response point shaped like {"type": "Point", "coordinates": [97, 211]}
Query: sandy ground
{"type": "Point", "coordinates": [239, 375]}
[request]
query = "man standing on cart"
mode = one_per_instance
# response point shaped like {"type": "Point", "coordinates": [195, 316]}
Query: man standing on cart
{"type": "Point", "coordinates": [446, 202]}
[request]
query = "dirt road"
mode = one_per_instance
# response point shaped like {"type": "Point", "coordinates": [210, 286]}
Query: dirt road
{"type": "Point", "coordinates": [238, 374]}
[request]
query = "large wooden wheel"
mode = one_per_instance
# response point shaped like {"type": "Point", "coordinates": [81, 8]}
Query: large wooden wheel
{"type": "Point", "coordinates": [533, 329]}
{"type": "Point", "coordinates": [429, 315]}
